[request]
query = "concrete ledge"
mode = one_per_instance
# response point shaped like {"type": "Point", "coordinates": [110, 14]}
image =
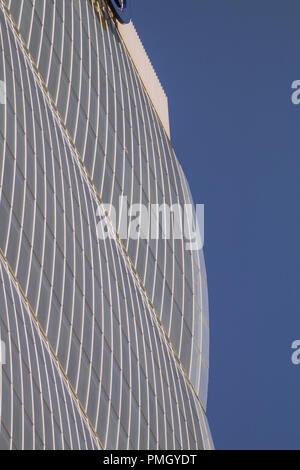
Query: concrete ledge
{"type": "Point", "coordinates": [146, 72]}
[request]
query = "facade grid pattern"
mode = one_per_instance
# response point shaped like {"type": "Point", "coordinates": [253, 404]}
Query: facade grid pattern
{"type": "Point", "coordinates": [109, 339]}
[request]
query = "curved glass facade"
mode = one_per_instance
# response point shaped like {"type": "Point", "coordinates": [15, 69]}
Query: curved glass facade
{"type": "Point", "coordinates": [106, 341]}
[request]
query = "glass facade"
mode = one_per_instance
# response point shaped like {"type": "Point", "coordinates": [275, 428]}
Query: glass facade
{"type": "Point", "coordinates": [106, 341]}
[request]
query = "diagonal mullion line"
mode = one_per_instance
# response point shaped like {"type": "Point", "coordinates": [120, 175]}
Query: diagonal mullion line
{"type": "Point", "coordinates": [45, 338]}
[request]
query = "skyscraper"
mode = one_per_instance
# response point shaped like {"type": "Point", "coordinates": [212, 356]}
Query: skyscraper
{"type": "Point", "coordinates": [106, 339]}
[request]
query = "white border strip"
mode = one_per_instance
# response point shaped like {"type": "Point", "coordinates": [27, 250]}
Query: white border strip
{"type": "Point", "coordinates": [146, 72]}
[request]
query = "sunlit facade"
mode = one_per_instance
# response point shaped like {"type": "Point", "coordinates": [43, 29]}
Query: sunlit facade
{"type": "Point", "coordinates": [106, 340]}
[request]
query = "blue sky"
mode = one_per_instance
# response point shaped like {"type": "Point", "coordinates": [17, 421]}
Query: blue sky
{"type": "Point", "coordinates": [227, 68]}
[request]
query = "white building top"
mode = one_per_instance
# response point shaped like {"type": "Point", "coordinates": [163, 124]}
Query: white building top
{"type": "Point", "coordinates": [146, 72]}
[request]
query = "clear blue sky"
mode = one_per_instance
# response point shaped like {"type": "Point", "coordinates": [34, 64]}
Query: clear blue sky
{"type": "Point", "coordinates": [227, 67]}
